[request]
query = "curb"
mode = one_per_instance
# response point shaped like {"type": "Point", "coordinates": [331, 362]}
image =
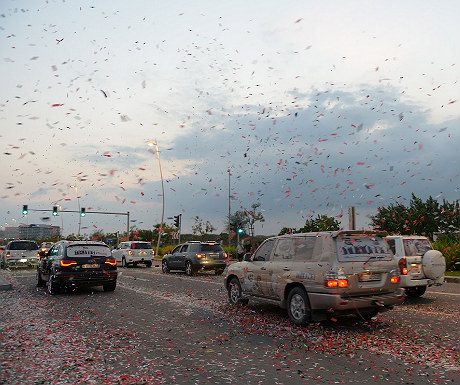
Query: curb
{"type": "Point", "coordinates": [5, 283]}
{"type": "Point", "coordinates": [451, 279]}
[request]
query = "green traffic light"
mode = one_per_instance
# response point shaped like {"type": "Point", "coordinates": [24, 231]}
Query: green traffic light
{"type": "Point", "coordinates": [24, 210]}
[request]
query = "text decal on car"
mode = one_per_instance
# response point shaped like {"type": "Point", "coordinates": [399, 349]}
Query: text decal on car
{"type": "Point", "coordinates": [83, 251]}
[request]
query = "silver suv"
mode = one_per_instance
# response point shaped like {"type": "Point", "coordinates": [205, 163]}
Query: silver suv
{"type": "Point", "coordinates": [320, 275]}
{"type": "Point", "coordinates": [420, 266]}
{"type": "Point", "coordinates": [195, 256]}
{"type": "Point", "coordinates": [20, 253]}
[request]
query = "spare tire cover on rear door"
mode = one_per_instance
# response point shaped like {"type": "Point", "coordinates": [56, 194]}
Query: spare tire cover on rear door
{"type": "Point", "coordinates": [434, 264]}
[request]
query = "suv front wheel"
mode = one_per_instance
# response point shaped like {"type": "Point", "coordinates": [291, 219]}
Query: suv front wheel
{"type": "Point", "coordinates": [234, 291]}
{"type": "Point", "coordinates": [298, 306]}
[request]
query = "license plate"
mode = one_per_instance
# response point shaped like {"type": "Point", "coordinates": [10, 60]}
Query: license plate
{"type": "Point", "coordinates": [23, 260]}
{"type": "Point", "coordinates": [90, 266]}
{"type": "Point", "coordinates": [368, 277]}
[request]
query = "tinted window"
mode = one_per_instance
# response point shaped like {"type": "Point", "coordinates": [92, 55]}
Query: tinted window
{"type": "Point", "coordinates": [362, 248]}
{"type": "Point", "coordinates": [193, 247]}
{"type": "Point", "coordinates": [23, 246]}
{"type": "Point", "coordinates": [141, 245]}
{"type": "Point", "coordinates": [176, 249]}
{"type": "Point", "coordinates": [184, 248]}
{"type": "Point", "coordinates": [75, 251]}
{"type": "Point", "coordinates": [392, 245]}
{"type": "Point", "coordinates": [264, 251]}
{"type": "Point", "coordinates": [211, 247]}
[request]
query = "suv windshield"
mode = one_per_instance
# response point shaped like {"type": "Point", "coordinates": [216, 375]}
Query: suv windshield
{"type": "Point", "coordinates": [416, 246]}
{"type": "Point", "coordinates": [362, 248]}
{"type": "Point", "coordinates": [211, 247]}
{"type": "Point", "coordinates": [23, 246]}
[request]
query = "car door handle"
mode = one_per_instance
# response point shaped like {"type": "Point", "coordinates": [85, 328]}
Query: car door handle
{"type": "Point", "coordinates": [286, 268]}
{"type": "Point", "coordinates": [263, 268]}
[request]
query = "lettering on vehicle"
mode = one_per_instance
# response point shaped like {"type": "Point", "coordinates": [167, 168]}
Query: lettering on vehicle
{"type": "Point", "coordinates": [88, 252]}
{"type": "Point", "coordinates": [305, 275]}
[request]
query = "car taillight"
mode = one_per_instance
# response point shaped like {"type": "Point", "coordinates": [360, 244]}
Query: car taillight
{"type": "Point", "coordinates": [199, 255]}
{"type": "Point", "coordinates": [403, 266]}
{"type": "Point", "coordinates": [111, 261]}
{"type": "Point", "coordinates": [394, 279]}
{"type": "Point", "coordinates": [130, 252]}
{"type": "Point", "coordinates": [153, 252]}
{"type": "Point", "coordinates": [67, 263]}
{"type": "Point", "coordinates": [225, 255]}
{"type": "Point", "coordinates": [336, 283]}
{"type": "Point", "coordinates": [8, 254]}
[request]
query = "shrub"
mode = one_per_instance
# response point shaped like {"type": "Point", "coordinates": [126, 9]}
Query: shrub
{"type": "Point", "coordinates": [449, 246]}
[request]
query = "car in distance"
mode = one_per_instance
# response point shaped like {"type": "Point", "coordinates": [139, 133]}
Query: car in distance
{"type": "Point", "coordinates": [420, 266]}
{"type": "Point", "coordinates": [76, 264]}
{"type": "Point", "coordinates": [20, 253]}
{"type": "Point", "coordinates": [44, 247]}
{"type": "Point", "coordinates": [134, 253]}
{"type": "Point", "coordinates": [195, 256]}
{"type": "Point", "coordinates": [317, 276]}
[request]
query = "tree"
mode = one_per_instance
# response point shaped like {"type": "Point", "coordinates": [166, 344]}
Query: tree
{"type": "Point", "coordinates": [202, 228]}
{"type": "Point", "coordinates": [320, 223]}
{"type": "Point", "coordinates": [287, 230]}
{"type": "Point", "coordinates": [421, 218]}
{"type": "Point", "coordinates": [247, 218]}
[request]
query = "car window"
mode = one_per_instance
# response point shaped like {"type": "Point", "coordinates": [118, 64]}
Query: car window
{"type": "Point", "coordinates": [75, 251]}
{"type": "Point", "coordinates": [416, 246]}
{"type": "Point", "coordinates": [284, 249]}
{"type": "Point", "coordinates": [184, 248]}
{"type": "Point", "coordinates": [176, 249]}
{"type": "Point", "coordinates": [23, 246]}
{"type": "Point", "coordinates": [264, 251]}
{"type": "Point", "coordinates": [392, 245]}
{"type": "Point", "coordinates": [303, 248]}
{"type": "Point", "coordinates": [361, 248]}
{"type": "Point", "coordinates": [141, 245]}
{"type": "Point", "coordinates": [211, 247]}
{"type": "Point", "coordinates": [194, 247]}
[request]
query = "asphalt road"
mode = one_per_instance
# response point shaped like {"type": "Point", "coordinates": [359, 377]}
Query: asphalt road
{"type": "Point", "coordinates": [157, 328]}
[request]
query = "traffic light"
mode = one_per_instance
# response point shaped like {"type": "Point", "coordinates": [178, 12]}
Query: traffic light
{"type": "Point", "coordinates": [83, 212]}
{"type": "Point", "coordinates": [25, 210]}
{"type": "Point", "coordinates": [240, 228]}
{"type": "Point", "coordinates": [55, 212]}
{"type": "Point", "coordinates": [177, 220]}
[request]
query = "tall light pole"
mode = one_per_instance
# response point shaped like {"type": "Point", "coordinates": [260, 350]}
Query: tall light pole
{"type": "Point", "coordinates": [160, 230]}
{"type": "Point", "coordinates": [79, 209]}
{"type": "Point", "coordinates": [229, 198]}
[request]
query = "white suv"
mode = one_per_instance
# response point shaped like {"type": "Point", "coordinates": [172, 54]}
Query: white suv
{"type": "Point", "coordinates": [133, 253]}
{"type": "Point", "coordinates": [420, 266]}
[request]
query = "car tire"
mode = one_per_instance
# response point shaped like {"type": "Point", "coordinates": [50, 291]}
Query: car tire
{"type": "Point", "coordinates": [369, 315]}
{"type": "Point", "coordinates": [235, 292]}
{"type": "Point", "coordinates": [109, 286]}
{"type": "Point", "coordinates": [189, 268]}
{"type": "Point", "coordinates": [416, 291]}
{"type": "Point", "coordinates": [164, 266]}
{"type": "Point", "coordinates": [40, 282]}
{"type": "Point", "coordinates": [123, 263]}
{"type": "Point", "coordinates": [51, 286]}
{"type": "Point", "coordinates": [148, 264]}
{"type": "Point", "coordinates": [298, 306]}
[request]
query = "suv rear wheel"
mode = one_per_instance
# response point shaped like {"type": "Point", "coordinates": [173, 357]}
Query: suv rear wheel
{"type": "Point", "coordinates": [298, 306]}
{"type": "Point", "coordinates": [109, 286]}
{"type": "Point", "coordinates": [52, 286]}
{"type": "Point", "coordinates": [188, 268]}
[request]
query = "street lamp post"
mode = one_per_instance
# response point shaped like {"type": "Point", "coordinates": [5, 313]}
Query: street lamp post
{"type": "Point", "coordinates": [79, 209]}
{"type": "Point", "coordinates": [229, 198]}
{"type": "Point", "coordinates": [160, 230]}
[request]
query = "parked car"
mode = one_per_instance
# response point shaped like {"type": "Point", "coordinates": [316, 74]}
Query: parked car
{"type": "Point", "coordinates": [195, 256]}
{"type": "Point", "coordinates": [319, 275]}
{"type": "Point", "coordinates": [420, 266]}
{"type": "Point", "coordinates": [77, 263]}
{"type": "Point", "coordinates": [133, 253]}
{"type": "Point", "coordinates": [20, 253]}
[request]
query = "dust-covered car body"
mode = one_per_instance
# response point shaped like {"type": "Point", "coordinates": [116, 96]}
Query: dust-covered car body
{"type": "Point", "coordinates": [320, 275]}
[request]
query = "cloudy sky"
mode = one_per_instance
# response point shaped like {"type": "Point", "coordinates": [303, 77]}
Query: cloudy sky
{"type": "Point", "coordinates": [312, 106]}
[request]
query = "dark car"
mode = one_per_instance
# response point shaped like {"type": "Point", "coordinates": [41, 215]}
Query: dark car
{"type": "Point", "coordinates": [195, 256]}
{"type": "Point", "coordinates": [77, 263]}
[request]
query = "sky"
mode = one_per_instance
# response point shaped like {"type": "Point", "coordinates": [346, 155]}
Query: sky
{"type": "Point", "coordinates": [304, 107]}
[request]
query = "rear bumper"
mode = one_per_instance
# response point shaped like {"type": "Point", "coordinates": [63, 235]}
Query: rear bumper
{"type": "Point", "coordinates": [210, 265]}
{"type": "Point", "coordinates": [86, 278]}
{"type": "Point", "coordinates": [21, 262]}
{"type": "Point", "coordinates": [407, 281]}
{"type": "Point", "coordinates": [343, 305]}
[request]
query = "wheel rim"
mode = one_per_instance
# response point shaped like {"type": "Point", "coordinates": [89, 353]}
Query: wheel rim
{"type": "Point", "coordinates": [188, 268]}
{"type": "Point", "coordinates": [164, 266]}
{"type": "Point", "coordinates": [297, 306]}
{"type": "Point", "coordinates": [234, 292]}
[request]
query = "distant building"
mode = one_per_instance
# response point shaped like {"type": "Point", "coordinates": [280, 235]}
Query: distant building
{"type": "Point", "coordinates": [32, 232]}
